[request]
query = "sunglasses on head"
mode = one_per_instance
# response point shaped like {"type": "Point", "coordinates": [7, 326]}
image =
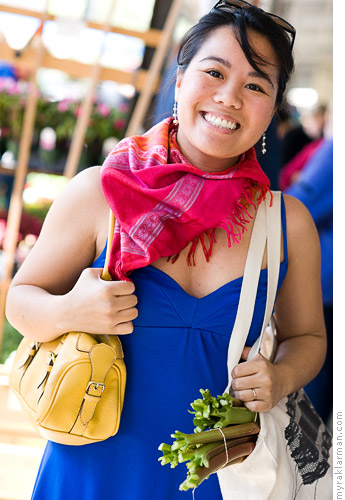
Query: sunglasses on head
{"type": "Point", "coordinates": [229, 4]}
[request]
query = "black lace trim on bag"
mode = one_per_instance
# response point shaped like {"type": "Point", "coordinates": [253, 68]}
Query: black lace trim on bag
{"type": "Point", "coordinates": [308, 438]}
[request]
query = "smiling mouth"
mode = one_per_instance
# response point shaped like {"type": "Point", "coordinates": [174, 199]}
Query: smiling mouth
{"type": "Point", "coordinates": [220, 122]}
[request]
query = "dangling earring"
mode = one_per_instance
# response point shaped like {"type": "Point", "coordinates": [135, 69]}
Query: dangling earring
{"type": "Point", "coordinates": [263, 143]}
{"type": "Point", "coordinates": [175, 122]}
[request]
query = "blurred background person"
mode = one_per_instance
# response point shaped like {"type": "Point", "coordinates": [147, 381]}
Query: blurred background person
{"type": "Point", "coordinates": [312, 127]}
{"type": "Point", "coordinates": [296, 131]}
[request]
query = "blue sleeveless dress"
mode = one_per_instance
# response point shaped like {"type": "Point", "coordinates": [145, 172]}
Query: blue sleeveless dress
{"type": "Point", "coordinates": [179, 345]}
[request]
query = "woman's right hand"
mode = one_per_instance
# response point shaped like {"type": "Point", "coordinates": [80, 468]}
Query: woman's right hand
{"type": "Point", "coordinates": [55, 290]}
{"type": "Point", "coordinates": [99, 306]}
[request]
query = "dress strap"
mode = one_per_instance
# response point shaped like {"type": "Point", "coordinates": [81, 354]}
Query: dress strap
{"type": "Point", "coordinates": [284, 232]}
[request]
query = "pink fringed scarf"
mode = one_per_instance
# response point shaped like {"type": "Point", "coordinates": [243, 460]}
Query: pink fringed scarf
{"type": "Point", "coordinates": [161, 202]}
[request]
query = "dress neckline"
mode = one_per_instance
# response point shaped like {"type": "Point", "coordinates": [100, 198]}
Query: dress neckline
{"type": "Point", "coordinates": [176, 285]}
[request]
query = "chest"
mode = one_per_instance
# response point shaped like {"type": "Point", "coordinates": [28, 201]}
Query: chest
{"type": "Point", "coordinates": [225, 264]}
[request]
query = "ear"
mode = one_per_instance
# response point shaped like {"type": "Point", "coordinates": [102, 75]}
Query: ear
{"type": "Point", "coordinates": [272, 115]}
{"type": "Point", "coordinates": [179, 77]}
{"type": "Point", "coordinates": [274, 112]}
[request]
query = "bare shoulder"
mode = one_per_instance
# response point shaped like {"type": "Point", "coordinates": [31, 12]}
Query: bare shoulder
{"type": "Point", "coordinates": [296, 211]}
{"type": "Point", "coordinates": [298, 219]}
{"type": "Point", "coordinates": [83, 189]}
{"type": "Point", "coordinates": [81, 203]}
{"type": "Point", "coordinates": [73, 231]}
{"type": "Point", "coordinates": [302, 235]}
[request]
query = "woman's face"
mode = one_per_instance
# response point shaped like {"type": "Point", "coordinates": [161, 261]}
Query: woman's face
{"type": "Point", "coordinates": [224, 105]}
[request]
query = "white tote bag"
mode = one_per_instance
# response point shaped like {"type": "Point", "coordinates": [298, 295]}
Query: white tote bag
{"type": "Point", "coordinates": [292, 459]}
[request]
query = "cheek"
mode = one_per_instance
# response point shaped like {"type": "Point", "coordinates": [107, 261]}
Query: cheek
{"type": "Point", "coordinates": [191, 91]}
{"type": "Point", "coordinates": [263, 114]}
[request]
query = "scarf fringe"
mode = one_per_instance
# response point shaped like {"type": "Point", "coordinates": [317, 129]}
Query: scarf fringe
{"type": "Point", "coordinates": [234, 226]}
{"type": "Point", "coordinates": [173, 258]}
{"type": "Point", "coordinates": [210, 233]}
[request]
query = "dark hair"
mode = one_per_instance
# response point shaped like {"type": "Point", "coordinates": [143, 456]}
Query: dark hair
{"type": "Point", "coordinates": [240, 20]}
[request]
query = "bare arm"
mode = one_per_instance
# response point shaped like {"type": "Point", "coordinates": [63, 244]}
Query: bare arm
{"type": "Point", "coordinates": [299, 320]}
{"type": "Point", "coordinates": [54, 290]}
{"type": "Point", "coordinates": [299, 308]}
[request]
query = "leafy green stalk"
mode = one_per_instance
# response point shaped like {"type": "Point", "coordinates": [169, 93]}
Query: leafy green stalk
{"type": "Point", "coordinates": [221, 411]}
{"type": "Point", "coordinates": [204, 456]}
{"type": "Point", "coordinates": [169, 456]}
{"type": "Point", "coordinates": [198, 475]}
{"type": "Point", "coordinates": [220, 448]}
{"type": "Point", "coordinates": [197, 456]}
{"type": "Point", "coordinates": [183, 440]}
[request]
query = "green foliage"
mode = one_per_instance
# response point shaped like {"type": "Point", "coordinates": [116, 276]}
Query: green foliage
{"type": "Point", "coordinates": [217, 412]}
{"type": "Point", "coordinates": [61, 116]}
{"type": "Point", "coordinates": [11, 114]}
{"type": "Point", "coordinates": [10, 342]}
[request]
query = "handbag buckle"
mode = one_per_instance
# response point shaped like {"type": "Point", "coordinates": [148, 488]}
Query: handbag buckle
{"type": "Point", "coordinates": [95, 387]}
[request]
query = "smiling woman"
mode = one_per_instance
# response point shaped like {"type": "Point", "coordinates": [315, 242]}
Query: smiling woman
{"type": "Point", "coordinates": [185, 196]}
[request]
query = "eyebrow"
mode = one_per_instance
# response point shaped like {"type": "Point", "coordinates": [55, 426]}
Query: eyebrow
{"type": "Point", "coordinates": [256, 74]}
{"type": "Point", "coordinates": [227, 64]}
{"type": "Point", "coordinates": [217, 59]}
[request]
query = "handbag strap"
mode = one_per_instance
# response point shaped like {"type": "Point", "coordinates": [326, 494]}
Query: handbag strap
{"type": "Point", "coordinates": [102, 356]}
{"type": "Point", "coordinates": [111, 225]}
{"type": "Point", "coordinates": [267, 226]}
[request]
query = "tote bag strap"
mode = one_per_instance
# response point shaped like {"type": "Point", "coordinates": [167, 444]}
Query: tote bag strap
{"type": "Point", "coordinates": [265, 227]}
{"type": "Point", "coordinates": [248, 290]}
{"type": "Point", "coordinates": [273, 264]}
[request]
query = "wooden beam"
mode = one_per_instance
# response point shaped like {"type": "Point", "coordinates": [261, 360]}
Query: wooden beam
{"type": "Point", "coordinates": [151, 37]}
{"type": "Point", "coordinates": [16, 204]}
{"type": "Point", "coordinates": [75, 69]}
{"type": "Point", "coordinates": [86, 108]}
{"type": "Point", "coordinates": [145, 97]}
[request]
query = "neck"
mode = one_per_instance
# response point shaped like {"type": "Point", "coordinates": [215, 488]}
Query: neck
{"type": "Point", "coordinates": [207, 163]}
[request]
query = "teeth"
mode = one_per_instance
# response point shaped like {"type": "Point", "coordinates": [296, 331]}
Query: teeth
{"type": "Point", "coordinates": [219, 122]}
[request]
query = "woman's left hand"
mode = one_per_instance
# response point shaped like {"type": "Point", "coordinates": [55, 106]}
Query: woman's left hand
{"type": "Point", "coordinates": [256, 383]}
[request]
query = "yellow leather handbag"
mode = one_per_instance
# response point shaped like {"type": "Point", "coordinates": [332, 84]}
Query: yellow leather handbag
{"type": "Point", "coordinates": [72, 387]}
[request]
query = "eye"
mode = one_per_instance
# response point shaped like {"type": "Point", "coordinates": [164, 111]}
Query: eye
{"type": "Point", "coordinates": [215, 73]}
{"type": "Point", "coordinates": [256, 88]}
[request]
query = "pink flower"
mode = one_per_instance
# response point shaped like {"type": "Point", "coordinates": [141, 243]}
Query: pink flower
{"type": "Point", "coordinates": [12, 88]}
{"type": "Point", "coordinates": [62, 106]}
{"type": "Point", "coordinates": [119, 124]}
{"type": "Point", "coordinates": [5, 131]}
{"type": "Point", "coordinates": [103, 109]}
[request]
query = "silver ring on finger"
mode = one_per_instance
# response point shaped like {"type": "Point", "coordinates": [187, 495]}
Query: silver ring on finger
{"type": "Point", "coordinates": [255, 397]}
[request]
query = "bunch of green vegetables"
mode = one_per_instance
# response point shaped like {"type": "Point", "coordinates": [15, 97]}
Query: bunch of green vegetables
{"type": "Point", "coordinates": [204, 451]}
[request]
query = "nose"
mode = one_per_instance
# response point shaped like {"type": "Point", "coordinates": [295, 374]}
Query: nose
{"type": "Point", "coordinates": [229, 95]}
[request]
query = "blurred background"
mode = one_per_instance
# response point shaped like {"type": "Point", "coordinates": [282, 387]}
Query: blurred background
{"type": "Point", "coordinates": [75, 78]}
